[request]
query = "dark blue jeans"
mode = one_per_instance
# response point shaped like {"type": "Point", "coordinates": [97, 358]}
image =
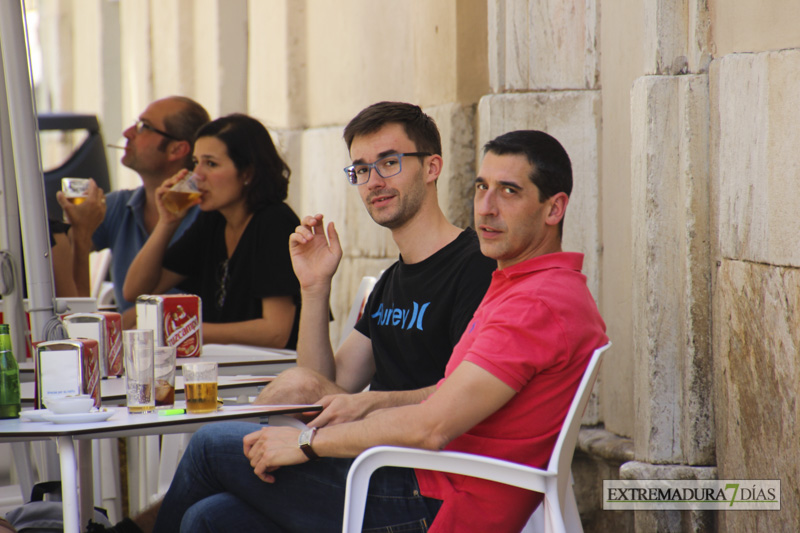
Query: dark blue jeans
{"type": "Point", "coordinates": [215, 490]}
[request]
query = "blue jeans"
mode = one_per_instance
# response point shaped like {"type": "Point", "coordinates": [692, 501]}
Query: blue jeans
{"type": "Point", "coordinates": [215, 490]}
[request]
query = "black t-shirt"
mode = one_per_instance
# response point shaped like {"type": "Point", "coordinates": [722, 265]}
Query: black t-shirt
{"type": "Point", "coordinates": [260, 266]}
{"type": "Point", "coordinates": [416, 313]}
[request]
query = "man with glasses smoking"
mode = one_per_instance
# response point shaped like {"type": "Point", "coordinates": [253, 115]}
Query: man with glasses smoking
{"type": "Point", "coordinates": [159, 144]}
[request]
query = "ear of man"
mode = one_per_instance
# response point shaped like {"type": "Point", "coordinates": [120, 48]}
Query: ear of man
{"type": "Point", "coordinates": [558, 208]}
{"type": "Point", "coordinates": [432, 168]}
{"type": "Point", "coordinates": [178, 150]}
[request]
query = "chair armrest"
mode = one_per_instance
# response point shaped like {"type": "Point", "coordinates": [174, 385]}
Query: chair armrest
{"type": "Point", "coordinates": [506, 472]}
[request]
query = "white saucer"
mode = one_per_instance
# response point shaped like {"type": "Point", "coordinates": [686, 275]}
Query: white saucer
{"type": "Point", "coordinates": [34, 415]}
{"type": "Point", "coordinates": [79, 418]}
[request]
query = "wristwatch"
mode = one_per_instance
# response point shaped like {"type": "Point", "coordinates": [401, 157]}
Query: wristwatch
{"type": "Point", "coordinates": [304, 441]}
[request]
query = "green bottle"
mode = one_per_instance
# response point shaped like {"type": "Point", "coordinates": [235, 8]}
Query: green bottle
{"type": "Point", "coordinates": [9, 377]}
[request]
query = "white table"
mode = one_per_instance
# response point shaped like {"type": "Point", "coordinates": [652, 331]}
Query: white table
{"type": "Point", "coordinates": [121, 424]}
{"type": "Point", "coordinates": [156, 458]}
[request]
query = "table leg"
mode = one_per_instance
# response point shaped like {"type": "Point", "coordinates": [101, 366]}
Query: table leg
{"type": "Point", "coordinates": [86, 481]}
{"type": "Point", "coordinates": [69, 484]}
{"type": "Point", "coordinates": [24, 464]}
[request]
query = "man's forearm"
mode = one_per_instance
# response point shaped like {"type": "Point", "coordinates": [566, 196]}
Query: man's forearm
{"type": "Point", "coordinates": [402, 426]}
{"type": "Point", "coordinates": [314, 349]}
{"type": "Point", "coordinates": [385, 399]}
{"type": "Point", "coordinates": [469, 395]}
{"type": "Point", "coordinates": [82, 246]}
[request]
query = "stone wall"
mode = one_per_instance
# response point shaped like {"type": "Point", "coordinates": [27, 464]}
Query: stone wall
{"type": "Point", "coordinates": [755, 172]}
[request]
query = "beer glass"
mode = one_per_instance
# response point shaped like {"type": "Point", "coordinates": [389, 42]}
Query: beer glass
{"type": "Point", "coordinates": [200, 387]}
{"type": "Point", "coordinates": [75, 190]}
{"type": "Point", "coordinates": [165, 376]}
{"type": "Point", "coordinates": [182, 195]}
{"type": "Point", "coordinates": [139, 370]}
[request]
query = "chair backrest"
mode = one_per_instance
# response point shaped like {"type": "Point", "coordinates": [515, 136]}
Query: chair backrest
{"type": "Point", "coordinates": [87, 161]}
{"type": "Point", "coordinates": [561, 459]}
{"type": "Point", "coordinates": [357, 309]}
{"type": "Point", "coordinates": [99, 263]}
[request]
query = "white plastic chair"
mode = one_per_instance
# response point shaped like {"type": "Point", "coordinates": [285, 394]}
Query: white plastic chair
{"type": "Point", "coordinates": [559, 514]}
{"type": "Point", "coordinates": [359, 302]}
{"type": "Point", "coordinates": [99, 263]}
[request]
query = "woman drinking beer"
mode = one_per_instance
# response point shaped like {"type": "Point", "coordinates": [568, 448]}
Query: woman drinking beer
{"type": "Point", "coordinates": [236, 254]}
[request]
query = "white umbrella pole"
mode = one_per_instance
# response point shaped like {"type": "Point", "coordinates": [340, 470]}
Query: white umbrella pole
{"type": "Point", "coordinates": [10, 284]}
{"type": "Point", "coordinates": [29, 180]}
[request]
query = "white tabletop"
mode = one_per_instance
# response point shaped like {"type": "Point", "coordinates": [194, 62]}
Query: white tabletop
{"type": "Point", "coordinates": [124, 424]}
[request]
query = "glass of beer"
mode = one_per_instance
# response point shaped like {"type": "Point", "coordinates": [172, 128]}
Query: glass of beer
{"type": "Point", "coordinates": [182, 195]}
{"type": "Point", "coordinates": [200, 387]}
{"type": "Point", "coordinates": [165, 376]}
{"type": "Point", "coordinates": [75, 190]}
{"type": "Point", "coordinates": [139, 370]}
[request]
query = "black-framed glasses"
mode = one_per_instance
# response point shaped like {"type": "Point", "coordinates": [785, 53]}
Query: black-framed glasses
{"type": "Point", "coordinates": [222, 291]}
{"type": "Point", "coordinates": [142, 125]}
{"type": "Point", "coordinates": [386, 167]}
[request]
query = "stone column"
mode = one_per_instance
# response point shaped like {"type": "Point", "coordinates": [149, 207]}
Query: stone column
{"type": "Point", "coordinates": [673, 434]}
{"type": "Point", "coordinates": [135, 58]}
{"type": "Point", "coordinates": [277, 63]}
{"type": "Point", "coordinates": [671, 270]}
{"type": "Point", "coordinates": [756, 334]}
{"type": "Point", "coordinates": [217, 49]}
{"type": "Point", "coordinates": [671, 284]}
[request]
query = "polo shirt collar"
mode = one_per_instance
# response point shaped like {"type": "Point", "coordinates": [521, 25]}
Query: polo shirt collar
{"type": "Point", "coordinates": [567, 260]}
{"type": "Point", "coordinates": [137, 199]}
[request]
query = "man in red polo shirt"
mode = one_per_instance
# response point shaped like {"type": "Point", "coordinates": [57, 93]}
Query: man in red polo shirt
{"type": "Point", "coordinates": [507, 388]}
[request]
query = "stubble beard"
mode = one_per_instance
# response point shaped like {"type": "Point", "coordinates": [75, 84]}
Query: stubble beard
{"type": "Point", "coordinates": [142, 165]}
{"type": "Point", "coordinates": [128, 160]}
{"type": "Point", "coordinates": [408, 205]}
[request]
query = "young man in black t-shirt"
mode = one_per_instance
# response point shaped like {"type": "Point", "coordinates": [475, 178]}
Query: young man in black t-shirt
{"type": "Point", "coordinates": [420, 305]}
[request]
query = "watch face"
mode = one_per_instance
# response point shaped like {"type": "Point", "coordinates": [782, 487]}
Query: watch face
{"type": "Point", "coordinates": [304, 441]}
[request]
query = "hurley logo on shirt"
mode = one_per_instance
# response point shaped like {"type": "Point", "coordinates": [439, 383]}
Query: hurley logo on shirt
{"type": "Point", "coordinates": [405, 318]}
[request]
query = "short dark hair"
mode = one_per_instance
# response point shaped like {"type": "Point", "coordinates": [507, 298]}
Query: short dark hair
{"type": "Point", "coordinates": [419, 127]}
{"type": "Point", "coordinates": [552, 170]}
{"type": "Point", "coordinates": [250, 147]}
{"type": "Point", "coordinates": [184, 124]}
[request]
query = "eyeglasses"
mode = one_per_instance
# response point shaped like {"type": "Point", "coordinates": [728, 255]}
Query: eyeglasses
{"type": "Point", "coordinates": [222, 291]}
{"type": "Point", "coordinates": [142, 125]}
{"type": "Point", "coordinates": [386, 167]}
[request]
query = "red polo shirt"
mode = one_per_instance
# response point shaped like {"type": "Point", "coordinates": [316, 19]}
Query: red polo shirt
{"type": "Point", "coordinates": [535, 330]}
